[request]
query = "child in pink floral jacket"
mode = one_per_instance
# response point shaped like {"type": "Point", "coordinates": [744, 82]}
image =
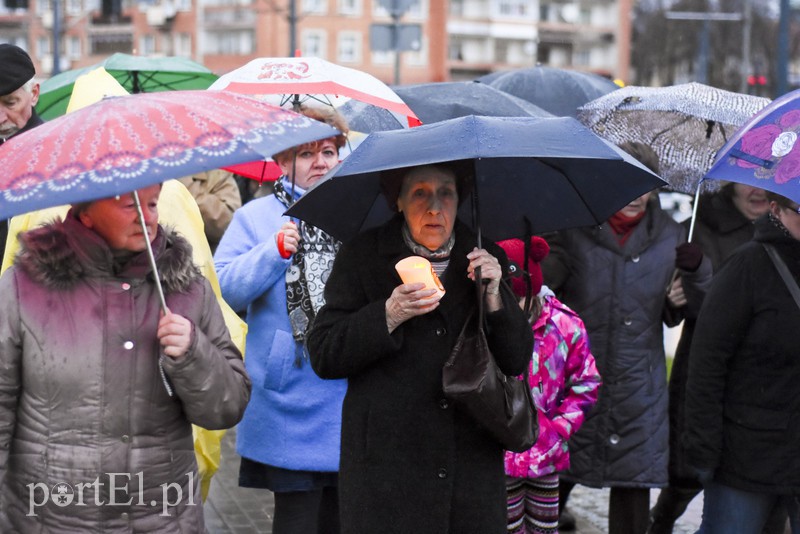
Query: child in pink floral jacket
{"type": "Point", "coordinates": [564, 382]}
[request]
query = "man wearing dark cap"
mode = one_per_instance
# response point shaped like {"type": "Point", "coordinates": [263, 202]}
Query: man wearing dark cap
{"type": "Point", "coordinates": [18, 95]}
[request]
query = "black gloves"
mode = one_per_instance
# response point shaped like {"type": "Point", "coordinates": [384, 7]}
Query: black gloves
{"type": "Point", "coordinates": [688, 257]}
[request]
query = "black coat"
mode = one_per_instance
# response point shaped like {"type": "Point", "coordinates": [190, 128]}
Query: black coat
{"type": "Point", "coordinates": [720, 228]}
{"type": "Point", "coordinates": [410, 460]}
{"type": "Point", "coordinates": [742, 406]}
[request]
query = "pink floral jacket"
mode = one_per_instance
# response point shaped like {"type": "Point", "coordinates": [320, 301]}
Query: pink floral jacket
{"type": "Point", "coordinates": [564, 382]}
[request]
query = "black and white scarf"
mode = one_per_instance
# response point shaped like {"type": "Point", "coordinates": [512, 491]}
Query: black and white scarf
{"type": "Point", "coordinates": [308, 271]}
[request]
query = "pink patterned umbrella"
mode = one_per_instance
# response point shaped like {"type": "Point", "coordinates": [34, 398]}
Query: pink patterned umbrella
{"type": "Point", "coordinates": [121, 144]}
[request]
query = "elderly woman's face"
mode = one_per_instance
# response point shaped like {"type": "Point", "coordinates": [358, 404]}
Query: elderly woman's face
{"type": "Point", "coordinates": [429, 202]}
{"type": "Point", "coordinates": [117, 220]}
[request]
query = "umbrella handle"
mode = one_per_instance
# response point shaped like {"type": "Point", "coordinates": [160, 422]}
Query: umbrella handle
{"type": "Point", "coordinates": [694, 211]}
{"type": "Point", "coordinates": [150, 255]}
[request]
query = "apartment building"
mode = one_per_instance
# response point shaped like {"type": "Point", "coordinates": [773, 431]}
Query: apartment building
{"type": "Point", "coordinates": [459, 39]}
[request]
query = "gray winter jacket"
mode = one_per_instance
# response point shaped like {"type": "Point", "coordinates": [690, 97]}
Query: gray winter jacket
{"type": "Point", "coordinates": [620, 293]}
{"type": "Point", "coordinates": [90, 439]}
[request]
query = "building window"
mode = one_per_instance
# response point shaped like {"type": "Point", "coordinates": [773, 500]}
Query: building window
{"type": "Point", "coordinates": [183, 5]}
{"type": "Point", "coordinates": [43, 45]}
{"type": "Point", "coordinates": [349, 47]}
{"type": "Point", "coordinates": [73, 47]}
{"type": "Point", "coordinates": [74, 7]}
{"type": "Point", "coordinates": [418, 9]}
{"type": "Point", "coordinates": [350, 7]}
{"type": "Point", "coordinates": [183, 45]}
{"type": "Point", "coordinates": [235, 42]}
{"type": "Point", "coordinates": [455, 50]}
{"type": "Point", "coordinates": [382, 58]}
{"type": "Point", "coordinates": [456, 8]}
{"type": "Point", "coordinates": [107, 44]}
{"type": "Point", "coordinates": [147, 44]}
{"type": "Point", "coordinates": [514, 8]}
{"type": "Point", "coordinates": [316, 7]}
{"type": "Point", "coordinates": [419, 57]}
{"type": "Point", "coordinates": [44, 6]}
{"type": "Point", "coordinates": [314, 43]}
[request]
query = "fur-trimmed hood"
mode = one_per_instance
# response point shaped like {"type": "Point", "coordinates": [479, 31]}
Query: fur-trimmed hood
{"type": "Point", "coordinates": [61, 254]}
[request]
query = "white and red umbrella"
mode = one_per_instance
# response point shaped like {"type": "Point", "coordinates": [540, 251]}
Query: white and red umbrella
{"type": "Point", "coordinates": [295, 81]}
{"type": "Point", "coordinates": [311, 78]}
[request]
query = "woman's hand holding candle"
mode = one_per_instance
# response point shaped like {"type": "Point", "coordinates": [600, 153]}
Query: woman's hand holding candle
{"type": "Point", "coordinates": [409, 300]}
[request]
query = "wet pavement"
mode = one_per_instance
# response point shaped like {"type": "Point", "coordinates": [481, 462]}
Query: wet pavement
{"type": "Point", "coordinates": [230, 509]}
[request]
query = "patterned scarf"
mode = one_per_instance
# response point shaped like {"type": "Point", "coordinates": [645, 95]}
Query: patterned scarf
{"type": "Point", "coordinates": [308, 271]}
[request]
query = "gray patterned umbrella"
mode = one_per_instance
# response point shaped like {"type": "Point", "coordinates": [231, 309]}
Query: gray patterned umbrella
{"type": "Point", "coordinates": [685, 124]}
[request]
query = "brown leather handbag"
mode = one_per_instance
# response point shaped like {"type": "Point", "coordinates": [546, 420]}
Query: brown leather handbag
{"type": "Point", "coordinates": [501, 404]}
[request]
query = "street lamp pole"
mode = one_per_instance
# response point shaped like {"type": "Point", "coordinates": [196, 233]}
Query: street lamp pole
{"type": "Point", "coordinates": [56, 38]}
{"type": "Point", "coordinates": [702, 59]}
{"type": "Point", "coordinates": [783, 48]}
{"type": "Point", "coordinates": [396, 42]}
{"type": "Point", "coordinates": [292, 27]}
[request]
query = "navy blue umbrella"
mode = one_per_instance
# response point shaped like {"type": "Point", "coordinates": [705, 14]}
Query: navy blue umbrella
{"type": "Point", "coordinates": [558, 91]}
{"type": "Point", "coordinates": [531, 175]}
{"type": "Point", "coordinates": [435, 102]}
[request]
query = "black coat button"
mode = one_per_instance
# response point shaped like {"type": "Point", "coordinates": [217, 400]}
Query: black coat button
{"type": "Point", "coordinates": [443, 404]}
{"type": "Point", "coordinates": [442, 473]}
{"type": "Point", "coordinates": [441, 331]}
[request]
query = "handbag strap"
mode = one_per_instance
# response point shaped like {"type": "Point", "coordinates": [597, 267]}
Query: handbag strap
{"type": "Point", "coordinates": [783, 270]}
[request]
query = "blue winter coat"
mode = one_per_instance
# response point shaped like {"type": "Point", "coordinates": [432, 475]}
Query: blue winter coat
{"type": "Point", "coordinates": [294, 418]}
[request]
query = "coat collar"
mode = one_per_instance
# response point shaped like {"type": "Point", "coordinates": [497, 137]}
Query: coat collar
{"type": "Point", "coordinates": [63, 253]}
{"type": "Point", "coordinates": [392, 247]}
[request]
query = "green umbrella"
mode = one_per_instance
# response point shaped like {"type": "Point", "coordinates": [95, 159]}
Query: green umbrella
{"type": "Point", "coordinates": [137, 74]}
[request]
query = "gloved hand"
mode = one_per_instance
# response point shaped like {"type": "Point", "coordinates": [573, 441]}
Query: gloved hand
{"type": "Point", "coordinates": [688, 257]}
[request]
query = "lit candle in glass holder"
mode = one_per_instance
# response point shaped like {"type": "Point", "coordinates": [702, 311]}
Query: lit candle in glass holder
{"type": "Point", "coordinates": [415, 269]}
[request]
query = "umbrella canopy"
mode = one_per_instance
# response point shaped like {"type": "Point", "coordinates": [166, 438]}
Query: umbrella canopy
{"type": "Point", "coordinates": [312, 79]}
{"type": "Point", "coordinates": [137, 74]}
{"type": "Point", "coordinates": [684, 124]}
{"type": "Point", "coordinates": [434, 102]}
{"type": "Point", "coordinates": [557, 91]}
{"type": "Point", "coordinates": [541, 174]}
{"type": "Point", "coordinates": [368, 118]}
{"type": "Point", "coordinates": [764, 152]}
{"type": "Point", "coordinates": [125, 143]}
{"type": "Point", "coordinates": [307, 81]}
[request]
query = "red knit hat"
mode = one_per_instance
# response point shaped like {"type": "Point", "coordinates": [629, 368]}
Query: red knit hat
{"type": "Point", "coordinates": [515, 250]}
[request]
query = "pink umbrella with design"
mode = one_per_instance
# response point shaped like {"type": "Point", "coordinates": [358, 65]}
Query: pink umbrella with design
{"type": "Point", "coordinates": [125, 143]}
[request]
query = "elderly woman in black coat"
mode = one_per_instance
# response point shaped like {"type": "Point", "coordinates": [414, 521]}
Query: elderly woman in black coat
{"type": "Point", "coordinates": [410, 460]}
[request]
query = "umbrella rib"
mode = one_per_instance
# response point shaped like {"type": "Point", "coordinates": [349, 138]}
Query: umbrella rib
{"type": "Point", "coordinates": [662, 132]}
{"type": "Point", "coordinates": [577, 191]}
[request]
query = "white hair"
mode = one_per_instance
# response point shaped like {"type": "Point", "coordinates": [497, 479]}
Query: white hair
{"type": "Point", "coordinates": [28, 86]}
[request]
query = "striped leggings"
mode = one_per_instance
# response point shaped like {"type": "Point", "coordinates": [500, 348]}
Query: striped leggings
{"type": "Point", "coordinates": [532, 505]}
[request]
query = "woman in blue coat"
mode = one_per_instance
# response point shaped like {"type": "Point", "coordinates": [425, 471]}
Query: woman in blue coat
{"type": "Point", "coordinates": [275, 269]}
